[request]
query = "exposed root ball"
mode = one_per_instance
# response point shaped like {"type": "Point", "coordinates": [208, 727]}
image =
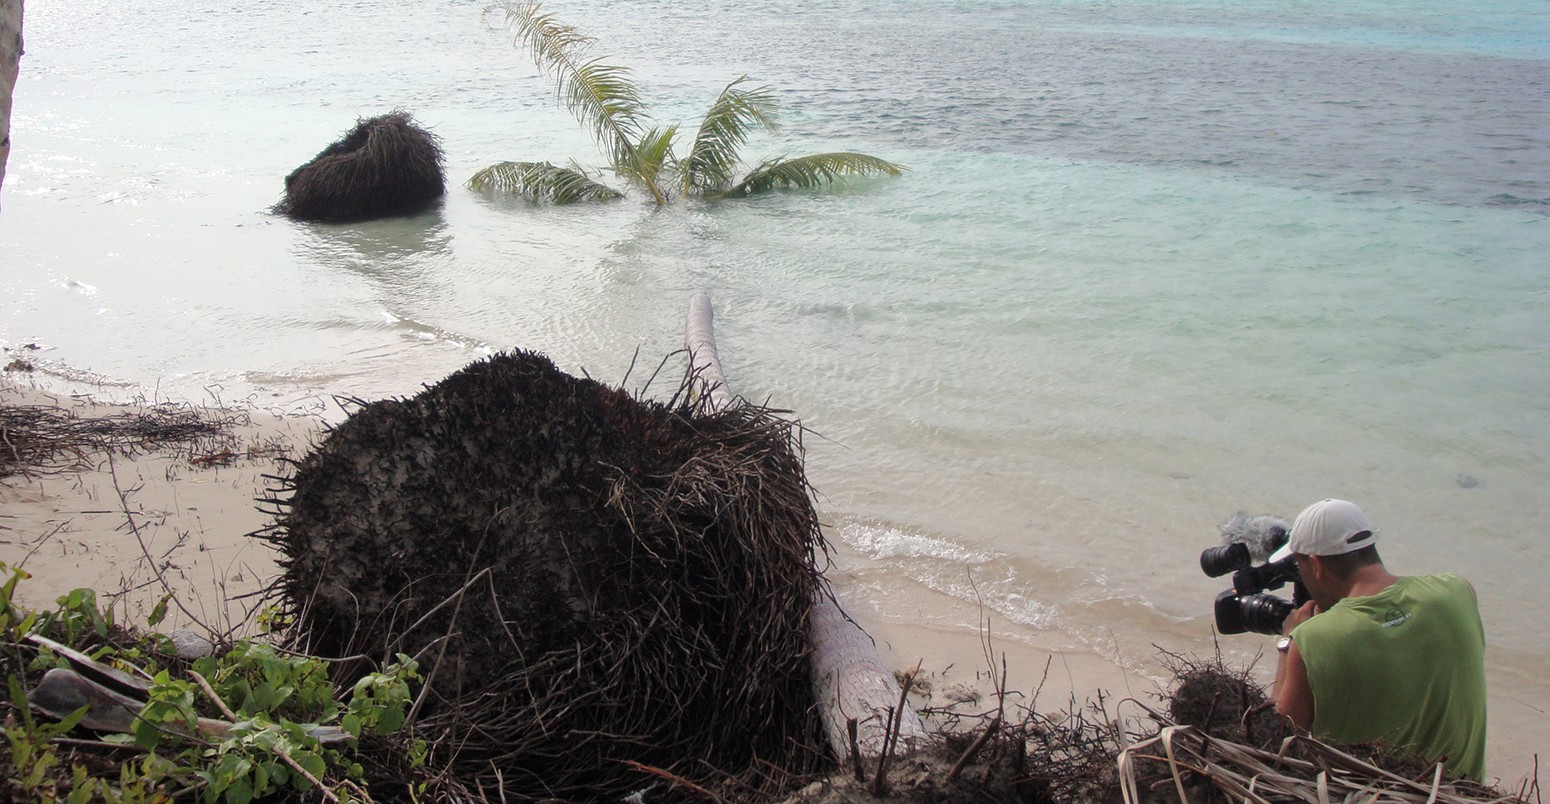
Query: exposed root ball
{"type": "Point", "coordinates": [590, 580]}
{"type": "Point", "coordinates": [385, 166]}
{"type": "Point", "coordinates": [1224, 703]}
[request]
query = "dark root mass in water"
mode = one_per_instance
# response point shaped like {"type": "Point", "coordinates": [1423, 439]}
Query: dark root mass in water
{"type": "Point", "coordinates": [385, 166]}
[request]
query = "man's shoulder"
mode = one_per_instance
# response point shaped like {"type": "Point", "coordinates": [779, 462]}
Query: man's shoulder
{"type": "Point", "coordinates": [1437, 583]}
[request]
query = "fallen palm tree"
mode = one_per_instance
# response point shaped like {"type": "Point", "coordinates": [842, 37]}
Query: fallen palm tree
{"type": "Point", "coordinates": [383, 167]}
{"type": "Point", "coordinates": [605, 593]}
{"type": "Point", "coordinates": [858, 700]}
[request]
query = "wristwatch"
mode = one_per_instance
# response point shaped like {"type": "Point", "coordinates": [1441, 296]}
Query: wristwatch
{"type": "Point", "coordinates": [1284, 644]}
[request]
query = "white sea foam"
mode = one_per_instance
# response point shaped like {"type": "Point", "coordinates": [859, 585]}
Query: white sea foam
{"type": "Point", "coordinates": [880, 542]}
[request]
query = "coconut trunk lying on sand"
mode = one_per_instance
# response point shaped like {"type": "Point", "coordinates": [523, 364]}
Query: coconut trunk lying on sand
{"type": "Point", "coordinates": [592, 583]}
{"type": "Point", "coordinates": [849, 679]}
{"type": "Point", "coordinates": [385, 166]}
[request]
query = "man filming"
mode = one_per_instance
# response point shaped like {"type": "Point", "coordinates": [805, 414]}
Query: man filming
{"type": "Point", "coordinates": [1377, 657]}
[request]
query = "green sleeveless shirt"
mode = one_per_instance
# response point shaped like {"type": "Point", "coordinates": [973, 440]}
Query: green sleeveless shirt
{"type": "Point", "coordinates": [1406, 667]}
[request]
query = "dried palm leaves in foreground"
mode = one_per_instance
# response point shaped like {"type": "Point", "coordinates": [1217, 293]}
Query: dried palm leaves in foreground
{"type": "Point", "coordinates": [1302, 770]}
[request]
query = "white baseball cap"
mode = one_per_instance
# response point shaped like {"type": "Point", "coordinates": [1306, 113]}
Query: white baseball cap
{"type": "Point", "coordinates": [1328, 528]}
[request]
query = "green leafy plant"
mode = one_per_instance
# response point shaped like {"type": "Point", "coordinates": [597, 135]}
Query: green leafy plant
{"type": "Point", "coordinates": [75, 617]}
{"type": "Point", "coordinates": [32, 754]}
{"type": "Point", "coordinates": [379, 701]}
{"type": "Point", "coordinates": [274, 703]}
{"type": "Point", "coordinates": [606, 100]}
{"type": "Point", "coordinates": [254, 678]}
{"type": "Point", "coordinates": [168, 712]}
{"type": "Point", "coordinates": [252, 761]}
{"type": "Point", "coordinates": [14, 620]}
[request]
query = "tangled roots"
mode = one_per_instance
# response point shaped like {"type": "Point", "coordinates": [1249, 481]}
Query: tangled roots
{"type": "Point", "coordinates": [596, 585]}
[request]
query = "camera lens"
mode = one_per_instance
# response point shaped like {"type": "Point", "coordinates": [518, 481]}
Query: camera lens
{"type": "Point", "coordinates": [1262, 614]}
{"type": "Point", "coordinates": [1216, 561]}
{"type": "Point", "coordinates": [1229, 614]}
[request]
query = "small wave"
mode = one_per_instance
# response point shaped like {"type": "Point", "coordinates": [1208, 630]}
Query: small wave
{"type": "Point", "coordinates": [1540, 205]}
{"type": "Point", "coordinates": [80, 287]}
{"type": "Point", "coordinates": [429, 333]}
{"type": "Point", "coordinates": [885, 541]}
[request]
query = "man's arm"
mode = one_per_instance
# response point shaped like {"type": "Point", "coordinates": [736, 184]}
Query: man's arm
{"type": "Point", "coordinates": [1294, 698]}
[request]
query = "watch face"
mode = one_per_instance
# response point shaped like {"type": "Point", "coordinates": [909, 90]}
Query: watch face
{"type": "Point", "coordinates": [1284, 644]}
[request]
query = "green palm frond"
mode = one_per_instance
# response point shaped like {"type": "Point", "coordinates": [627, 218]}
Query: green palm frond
{"type": "Point", "coordinates": [713, 159]}
{"type": "Point", "coordinates": [653, 155]}
{"type": "Point", "coordinates": [812, 171]}
{"type": "Point", "coordinates": [541, 181]}
{"type": "Point", "coordinates": [602, 96]}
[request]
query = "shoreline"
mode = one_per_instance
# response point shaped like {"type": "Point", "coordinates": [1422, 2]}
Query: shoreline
{"type": "Point", "coordinates": [69, 530]}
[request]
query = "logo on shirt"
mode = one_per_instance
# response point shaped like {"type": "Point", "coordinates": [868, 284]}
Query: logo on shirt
{"type": "Point", "coordinates": [1395, 617]}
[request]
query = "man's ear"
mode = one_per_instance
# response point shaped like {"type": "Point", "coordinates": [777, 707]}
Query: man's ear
{"type": "Point", "coordinates": [1316, 564]}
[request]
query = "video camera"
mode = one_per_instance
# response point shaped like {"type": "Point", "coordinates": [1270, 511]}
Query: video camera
{"type": "Point", "coordinates": [1246, 607]}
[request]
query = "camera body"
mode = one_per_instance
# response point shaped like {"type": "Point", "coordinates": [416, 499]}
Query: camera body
{"type": "Point", "coordinates": [1247, 606]}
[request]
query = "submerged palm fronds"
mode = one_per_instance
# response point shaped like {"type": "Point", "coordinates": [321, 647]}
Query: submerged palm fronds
{"type": "Point", "coordinates": [43, 438]}
{"type": "Point", "coordinates": [599, 588]}
{"type": "Point", "coordinates": [712, 160]}
{"type": "Point", "coordinates": [542, 181]}
{"type": "Point", "coordinates": [602, 96]}
{"type": "Point", "coordinates": [811, 171]}
{"type": "Point", "coordinates": [385, 166]}
{"type": "Point", "coordinates": [605, 99]}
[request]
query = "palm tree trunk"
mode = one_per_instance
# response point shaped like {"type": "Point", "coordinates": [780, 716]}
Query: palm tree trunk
{"type": "Point", "coordinates": [10, 66]}
{"type": "Point", "coordinates": [849, 679]}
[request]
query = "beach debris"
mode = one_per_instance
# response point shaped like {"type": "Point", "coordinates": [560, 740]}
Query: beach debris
{"type": "Point", "coordinates": [386, 166]}
{"type": "Point", "coordinates": [604, 591]}
{"type": "Point", "coordinates": [1303, 769]}
{"type": "Point", "coordinates": [42, 439]}
{"type": "Point", "coordinates": [63, 691]}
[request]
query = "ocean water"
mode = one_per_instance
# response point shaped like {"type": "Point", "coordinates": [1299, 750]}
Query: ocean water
{"type": "Point", "coordinates": [1154, 263]}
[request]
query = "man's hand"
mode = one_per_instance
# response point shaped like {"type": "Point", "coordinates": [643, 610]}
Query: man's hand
{"type": "Point", "coordinates": [1298, 617]}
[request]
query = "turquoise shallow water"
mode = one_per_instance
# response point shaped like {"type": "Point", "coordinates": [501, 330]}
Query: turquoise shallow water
{"type": "Point", "coordinates": [1154, 263]}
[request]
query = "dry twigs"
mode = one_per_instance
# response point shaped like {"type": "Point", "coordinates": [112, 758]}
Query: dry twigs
{"type": "Point", "coordinates": [45, 439]}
